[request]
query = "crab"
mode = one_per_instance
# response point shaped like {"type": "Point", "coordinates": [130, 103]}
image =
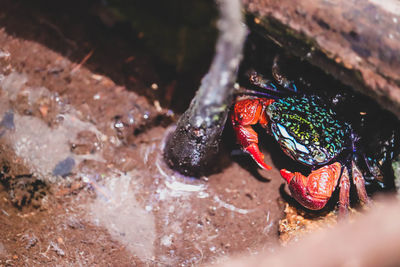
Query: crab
{"type": "Point", "coordinates": [309, 132]}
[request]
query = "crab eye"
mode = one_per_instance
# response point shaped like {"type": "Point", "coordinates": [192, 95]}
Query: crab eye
{"type": "Point", "coordinates": [319, 156]}
{"type": "Point", "coordinates": [271, 112]}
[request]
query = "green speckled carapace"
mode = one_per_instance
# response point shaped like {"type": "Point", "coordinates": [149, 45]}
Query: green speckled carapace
{"type": "Point", "coordinates": [306, 129]}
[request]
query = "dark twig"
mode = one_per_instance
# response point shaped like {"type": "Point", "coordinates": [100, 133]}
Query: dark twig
{"type": "Point", "coordinates": [191, 147]}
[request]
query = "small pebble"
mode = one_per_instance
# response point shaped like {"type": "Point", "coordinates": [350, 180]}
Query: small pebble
{"type": "Point", "coordinates": [64, 167]}
{"type": "Point", "coordinates": [8, 120]}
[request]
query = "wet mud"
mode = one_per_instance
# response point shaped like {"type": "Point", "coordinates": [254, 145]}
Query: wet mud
{"type": "Point", "coordinates": [85, 111]}
{"type": "Point", "coordinates": [83, 181]}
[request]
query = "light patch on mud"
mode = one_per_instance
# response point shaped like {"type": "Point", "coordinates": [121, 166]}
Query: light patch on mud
{"type": "Point", "coordinates": [12, 84]}
{"type": "Point", "coordinates": [125, 219]}
{"type": "Point", "coordinates": [230, 206]}
{"type": "Point", "coordinates": [42, 147]}
{"type": "Point", "coordinates": [131, 214]}
{"type": "Point", "coordinates": [391, 6]}
{"type": "Point", "coordinates": [38, 145]}
{"type": "Point", "coordinates": [146, 210]}
{"type": "Point", "coordinates": [175, 188]}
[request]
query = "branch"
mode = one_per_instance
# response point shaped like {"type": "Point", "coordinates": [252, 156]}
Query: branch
{"type": "Point", "coordinates": [194, 143]}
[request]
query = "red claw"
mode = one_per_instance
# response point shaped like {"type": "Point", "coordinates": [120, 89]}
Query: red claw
{"type": "Point", "coordinates": [246, 113]}
{"type": "Point", "coordinates": [257, 156]}
{"type": "Point", "coordinates": [314, 191]}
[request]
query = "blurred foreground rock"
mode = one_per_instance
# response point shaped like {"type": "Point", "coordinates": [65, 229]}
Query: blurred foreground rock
{"type": "Point", "coordinates": [371, 240]}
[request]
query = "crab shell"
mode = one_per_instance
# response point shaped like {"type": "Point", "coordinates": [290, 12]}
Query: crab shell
{"type": "Point", "coordinates": [307, 130]}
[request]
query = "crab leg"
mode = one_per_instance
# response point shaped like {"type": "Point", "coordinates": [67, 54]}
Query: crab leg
{"type": "Point", "coordinates": [281, 79]}
{"type": "Point", "coordinates": [344, 193]}
{"type": "Point", "coordinates": [246, 113]}
{"type": "Point", "coordinates": [313, 191]}
{"type": "Point", "coordinates": [359, 182]}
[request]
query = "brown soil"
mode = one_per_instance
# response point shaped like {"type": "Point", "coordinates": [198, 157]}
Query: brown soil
{"type": "Point", "coordinates": [83, 179]}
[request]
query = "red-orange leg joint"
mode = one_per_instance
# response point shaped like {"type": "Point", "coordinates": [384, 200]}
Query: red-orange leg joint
{"type": "Point", "coordinates": [313, 191]}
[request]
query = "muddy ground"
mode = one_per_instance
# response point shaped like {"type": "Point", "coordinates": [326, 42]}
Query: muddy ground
{"type": "Point", "coordinates": [84, 115]}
